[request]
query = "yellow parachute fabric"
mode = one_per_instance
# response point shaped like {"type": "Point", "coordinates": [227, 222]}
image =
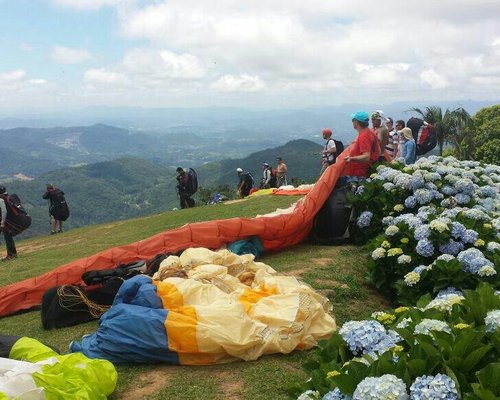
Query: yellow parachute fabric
{"type": "Point", "coordinates": [224, 307]}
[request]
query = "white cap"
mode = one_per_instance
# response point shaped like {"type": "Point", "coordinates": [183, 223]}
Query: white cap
{"type": "Point", "coordinates": [239, 170]}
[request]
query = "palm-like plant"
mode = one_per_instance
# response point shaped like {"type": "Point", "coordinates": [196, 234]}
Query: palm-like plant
{"type": "Point", "coordinates": [452, 126]}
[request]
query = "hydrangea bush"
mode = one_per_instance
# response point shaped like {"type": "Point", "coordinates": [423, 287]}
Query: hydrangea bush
{"type": "Point", "coordinates": [447, 347]}
{"type": "Point", "coordinates": [436, 207]}
{"type": "Point", "coordinates": [433, 232]}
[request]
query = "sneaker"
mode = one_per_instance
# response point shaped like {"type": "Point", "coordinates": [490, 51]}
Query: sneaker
{"type": "Point", "coordinates": [53, 232]}
{"type": "Point", "coordinates": [9, 257]}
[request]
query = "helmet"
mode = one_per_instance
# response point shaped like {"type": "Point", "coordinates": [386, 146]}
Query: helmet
{"type": "Point", "coordinates": [264, 164]}
{"type": "Point", "coordinates": [327, 132]}
{"type": "Point", "coordinates": [2, 189]}
{"type": "Point", "coordinates": [239, 170]}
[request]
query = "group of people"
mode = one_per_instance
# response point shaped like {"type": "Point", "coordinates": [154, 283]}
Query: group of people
{"type": "Point", "coordinates": [388, 140]}
{"type": "Point", "coordinates": [10, 209]}
{"type": "Point", "coordinates": [271, 178]}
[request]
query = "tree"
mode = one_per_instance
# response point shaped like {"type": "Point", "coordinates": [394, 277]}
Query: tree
{"type": "Point", "coordinates": [487, 135]}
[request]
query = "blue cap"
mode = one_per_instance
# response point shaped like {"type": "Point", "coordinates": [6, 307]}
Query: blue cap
{"type": "Point", "coordinates": [361, 116]}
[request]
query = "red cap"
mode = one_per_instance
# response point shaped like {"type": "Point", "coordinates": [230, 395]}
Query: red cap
{"type": "Point", "coordinates": [327, 132]}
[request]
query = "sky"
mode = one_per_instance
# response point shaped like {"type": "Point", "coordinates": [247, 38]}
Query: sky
{"type": "Point", "coordinates": [69, 54]}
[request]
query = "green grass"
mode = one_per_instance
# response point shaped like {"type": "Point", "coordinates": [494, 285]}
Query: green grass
{"type": "Point", "coordinates": [337, 272]}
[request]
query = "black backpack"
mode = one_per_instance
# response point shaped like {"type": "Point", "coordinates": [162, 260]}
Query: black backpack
{"type": "Point", "coordinates": [192, 181]}
{"type": "Point", "coordinates": [17, 219]}
{"type": "Point", "coordinates": [58, 206]}
{"type": "Point", "coordinates": [339, 146]}
{"type": "Point", "coordinates": [424, 134]}
{"type": "Point", "coordinates": [249, 181]}
{"type": "Point", "coordinates": [331, 223]}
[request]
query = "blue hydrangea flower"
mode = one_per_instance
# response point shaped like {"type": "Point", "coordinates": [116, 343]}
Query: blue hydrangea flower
{"type": "Point", "coordinates": [470, 236]}
{"type": "Point", "coordinates": [489, 191]}
{"type": "Point", "coordinates": [451, 247]}
{"type": "Point", "coordinates": [448, 190]}
{"type": "Point", "coordinates": [364, 219]}
{"type": "Point", "coordinates": [422, 232]}
{"type": "Point", "coordinates": [416, 182]}
{"type": "Point", "coordinates": [457, 229]}
{"type": "Point", "coordinates": [431, 186]}
{"type": "Point", "coordinates": [388, 186]}
{"type": "Point", "coordinates": [336, 394]}
{"type": "Point", "coordinates": [462, 198]}
{"type": "Point", "coordinates": [474, 213]}
{"type": "Point", "coordinates": [381, 388]}
{"type": "Point", "coordinates": [410, 202]}
{"type": "Point", "coordinates": [472, 260]}
{"type": "Point", "coordinates": [425, 248]}
{"type": "Point", "coordinates": [368, 336]}
{"type": "Point", "coordinates": [423, 196]}
{"type": "Point", "coordinates": [465, 186]}
{"type": "Point", "coordinates": [431, 387]}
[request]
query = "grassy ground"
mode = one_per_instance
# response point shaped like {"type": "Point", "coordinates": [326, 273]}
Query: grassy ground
{"type": "Point", "coordinates": [338, 272]}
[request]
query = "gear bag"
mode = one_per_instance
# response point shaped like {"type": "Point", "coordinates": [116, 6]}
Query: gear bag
{"type": "Point", "coordinates": [424, 134]}
{"type": "Point", "coordinates": [58, 207]}
{"type": "Point", "coordinates": [331, 223]}
{"type": "Point", "coordinates": [17, 219]}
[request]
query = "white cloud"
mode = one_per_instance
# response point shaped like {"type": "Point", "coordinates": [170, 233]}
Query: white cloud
{"type": "Point", "coordinates": [339, 51]}
{"type": "Point", "coordinates": [241, 83]}
{"type": "Point", "coordinates": [103, 77]}
{"type": "Point", "coordinates": [66, 55]}
{"type": "Point", "coordinates": [38, 81]}
{"type": "Point", "coordinates": [433, 79]}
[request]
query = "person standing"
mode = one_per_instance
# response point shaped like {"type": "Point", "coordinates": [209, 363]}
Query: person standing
{"type": "Point", "coordinates": [184, 189]}
{"type": "Point", "coordinates": [365, 149]}
{"type": "Point", "coordinates": [245, 183]}
{"type": "Point", "coordinates": [329, 153]}
{"type": "Point", "coordinates": [392, 142]}
{"type": "Point", "coordinates": [398, 151]}
{"type": "Point", "coordinates": [58, 208]}
{"type": "Point", "coordinates": [266, 176]}
{"type": "Point", "coordinates": [378, 122]}
{"type": "Point", "coordinates": [410, 147]}
{"type": "Point", "coordinates": [9, 240]}
{"type": "Point", "coordinates": [281, 170]}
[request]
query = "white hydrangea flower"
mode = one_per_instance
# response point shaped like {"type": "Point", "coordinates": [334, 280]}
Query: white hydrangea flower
{"type": "Point", "coordinates": [378, 253]}
{"type": "Point", "coordinates": [391, 230]}
{"type": "Point", "coordinates": [426, 326]}
{"type": "Point", "coordinates": [412, 278]}
{"type": "Point", "coordinates": [404, 259]}
{"type": "Point", "coordinates": [386, 387]}
{"type": "Point", "coordinates": [445, 303]}
{"type": "Point", "coordinates": [486, 270]}
{"type": "Point", "coordinates": [492, 320]}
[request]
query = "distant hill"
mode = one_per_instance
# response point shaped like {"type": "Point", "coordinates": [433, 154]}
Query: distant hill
{"type": "Point", "coordinates": [131, 187]}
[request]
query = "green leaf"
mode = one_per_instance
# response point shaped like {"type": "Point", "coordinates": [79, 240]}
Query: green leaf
{"type": "Point", "coordinates": [475, 356]}
{"type": "Point", "coordinates": [417, 367]}
{"type": "Point", "coordinates": [489, 378]}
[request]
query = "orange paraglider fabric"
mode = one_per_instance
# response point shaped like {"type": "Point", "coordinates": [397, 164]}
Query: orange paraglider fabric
{"type": "Point", "coordinates": [277, 231]}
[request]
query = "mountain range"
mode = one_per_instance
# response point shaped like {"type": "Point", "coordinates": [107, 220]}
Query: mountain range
{"type": "Point", "coordinates": [130, 187]}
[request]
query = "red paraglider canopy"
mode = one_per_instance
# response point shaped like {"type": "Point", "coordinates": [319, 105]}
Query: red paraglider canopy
{"type": "Point", "coordinates": [277, 231]}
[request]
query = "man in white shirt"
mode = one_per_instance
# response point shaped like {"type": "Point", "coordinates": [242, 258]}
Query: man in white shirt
{"type": "Point", "coordinates": [328, 154]}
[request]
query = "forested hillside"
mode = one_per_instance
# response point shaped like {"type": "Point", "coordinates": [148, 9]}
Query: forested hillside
{"type": "Point", "coordinates": [131, 187]}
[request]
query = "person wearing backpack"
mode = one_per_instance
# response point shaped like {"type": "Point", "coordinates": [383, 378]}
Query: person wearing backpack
{"type": "Point", "coordinates": [58, 208]}
{"type": "Point", "coordinates": [9, 240]}
{"type": "Point", "coordinates": [184, 188]}
{"type": "Point", "coordinates": [331, 150]}
{"type": "Point", "coordinates": [268, 177]}
{"type": "Point", "coordinates": [245, 183]}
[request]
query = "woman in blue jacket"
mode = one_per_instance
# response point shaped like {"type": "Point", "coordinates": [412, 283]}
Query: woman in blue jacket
{"type": "Point", "coordinates": [409, 147]}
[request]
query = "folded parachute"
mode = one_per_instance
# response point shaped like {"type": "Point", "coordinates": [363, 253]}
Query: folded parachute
{"type": "Point", "coordinates": [35, 371]}
{"type": "Point", "coordinates": [208, 307]}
